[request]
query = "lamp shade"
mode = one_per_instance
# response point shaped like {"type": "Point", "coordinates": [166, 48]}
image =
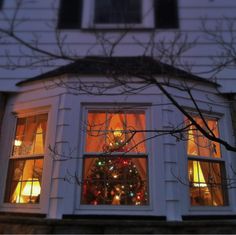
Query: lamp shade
{"type": "Point", "coordinates": [32, 188]}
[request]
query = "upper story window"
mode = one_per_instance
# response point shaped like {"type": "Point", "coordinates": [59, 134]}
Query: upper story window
{"type": "Point", "coordinates": [26, 161]}
{"type": "Point", "coordinates": [76, 14]}
{"type": "Point", "coordinates": [115, 159]}
{"type": "Point", "coordinates": [120, 12]}
{"type": "Point", "coordinates": [206, 168]}
{"type": "Point", "coordinates": [1, 4]}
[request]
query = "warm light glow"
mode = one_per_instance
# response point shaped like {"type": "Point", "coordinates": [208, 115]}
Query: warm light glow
{"type": "Point", "coordinates": [32, 188]}
{"type": "Point", "coordinates": [115, 176]}
{"type": "Point", "coordinates": [116, 200]}
{"type": "Point", "coordinates": [38, 147]}
{"type": "Point", "coordinates": [17, 143]}
{"type": "Point", "coordinates": [192, 147]}
{"type": "Point", "coordinates": [118, 132]}
{"type": "Point", "coordinates": [198, 175]}
{"type": "Point", "coordinates": [16, 196]}
{"type": "Point", "coordinates": [21, 196]}
{"type": "Point", "coordinates": [114, 126]}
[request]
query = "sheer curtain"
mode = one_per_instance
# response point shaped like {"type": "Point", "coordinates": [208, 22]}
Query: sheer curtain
{"type": "Point", "coordinates": [101, 127]}
{"type": "Point", "coordinates": [198, 145]}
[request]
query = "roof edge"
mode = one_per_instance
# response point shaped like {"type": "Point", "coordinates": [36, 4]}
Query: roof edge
{"type": "Point", "coordinates": [98, 65]}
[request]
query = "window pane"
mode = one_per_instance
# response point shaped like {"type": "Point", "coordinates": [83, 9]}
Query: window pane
{"type": "Point", "coordinates": [166, 14]}
{"type": "Point", "coordinates": [206, 183]}
{"type": "Point", "coordinates": [116, 136]}
{"type": "Point", "coordinates": [117, 11]}
{"type": "Point", "coordinates": [28, 170]}
{"type": "Point", "coordinates": [39, 139]}
{"type": "Point", "coordinates": [192, 148]}
{"type": "Point", "coordinates": [23, 185]}
{"type": "Point", "coordinates": [198, 144]}
{"type": "Point", "coordinates": [30, 135]}
{"type": "Point", "coordinates": [70, 14]}
{"type": "Point", "coordinates": [115, 181]}
{"type": "Point", "coordinates": [137, 121]}
{"type": "Point", "coordinates": [215, 147]}
{"type": "Point", "coordinates": [95, 135]}
{"type": "Point", "coordinates": [115, 132]}
{"type": "Point", "coordinates": [1, 4]}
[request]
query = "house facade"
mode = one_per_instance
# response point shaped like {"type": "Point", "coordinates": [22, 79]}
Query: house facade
{"type": "Point", "coordinates": [97, 120]}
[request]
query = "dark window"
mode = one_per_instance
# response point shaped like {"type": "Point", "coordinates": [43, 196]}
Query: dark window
{"type": "Point", "coordinates": [117, 12]}
{"type": "Point", "coordinates": [1, 3]}
{"type": "Point", "coordinates": [166, 14]}
{"type": "Point", "coordinates": [70, 14]}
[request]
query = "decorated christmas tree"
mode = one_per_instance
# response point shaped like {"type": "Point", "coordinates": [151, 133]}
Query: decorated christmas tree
{"type": "Point", "coordinates": [114, 181]}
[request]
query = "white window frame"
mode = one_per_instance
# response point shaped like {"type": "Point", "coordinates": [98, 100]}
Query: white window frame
{"type": "Point", "coordinates": [88, 13]}
{"type": "Point", "coordinates": [25, 157]}
{"type": "Point", "coordinates": [29, 108]}
{"type": "Point", "coordinates": [103, 208]}
{"type": "Point", "coordinates": [199, 158]}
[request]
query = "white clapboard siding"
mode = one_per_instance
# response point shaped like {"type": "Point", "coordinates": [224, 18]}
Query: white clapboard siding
{"type": "Point", "coordinates": [38, 20]}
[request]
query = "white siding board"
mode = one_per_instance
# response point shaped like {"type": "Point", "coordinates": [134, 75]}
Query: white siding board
{"type": "Point", "coordinates": [43, 19]}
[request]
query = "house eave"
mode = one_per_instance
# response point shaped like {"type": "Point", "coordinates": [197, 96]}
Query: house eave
{"type": "Point", "coordinates": [113, 66]}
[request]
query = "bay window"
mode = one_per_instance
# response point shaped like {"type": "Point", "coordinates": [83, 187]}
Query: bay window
{"type": "Point", "coordinates": [115, 159]}
{"type": "Point", "coordinates": [206, 168]}
{"type": "Point", "coordinates": [26, 160]}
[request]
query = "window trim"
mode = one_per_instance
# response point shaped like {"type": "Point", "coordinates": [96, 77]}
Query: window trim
{"type": "Point", "coordinates": [1, 4]}
{"type": "Point", "coordinates": [106, 208]}
{"type": "Point", "coordinates": [30, 107]}
{"type": "Point", "coordinates": [220, 160]}
{"type": "Point", "coordinates": [13, 157]}
{"type": "Point", "coordinates": [88, 13]}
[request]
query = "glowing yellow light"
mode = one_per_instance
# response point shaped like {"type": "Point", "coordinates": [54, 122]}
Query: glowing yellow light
{"type": "Point", "coordinates": [118, 132]}
{"type": "Point", "coordinates": [198, 175]}
{"type": "Point", "coordinates": [117, 189]}
{"type": "Point", "coordinates": [116, 200]}
{"type": "Point", "coordinates": [17, 143]}
{"type": "Point", "coordinates": [32, 188]}
{"type": "Point", "coordinates": [28, 190]}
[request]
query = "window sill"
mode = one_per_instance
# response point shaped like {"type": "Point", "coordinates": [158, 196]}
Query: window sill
{"type": "Point", "coordinates": [20, 206]}
{"type": "Point", "coordinates": [212, 217]}
{"type": "Point", "coordinates": [113, 208]}
{"type": "Point", "coordinates": [115, 29]}
{"type": "Point", "coordinates": [207, 209]}
{"type": "Point", "coordinates": [22, 215]}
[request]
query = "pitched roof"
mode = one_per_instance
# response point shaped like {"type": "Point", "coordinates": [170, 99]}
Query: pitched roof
{"type": "Point", "coordinates": [141, 65]}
